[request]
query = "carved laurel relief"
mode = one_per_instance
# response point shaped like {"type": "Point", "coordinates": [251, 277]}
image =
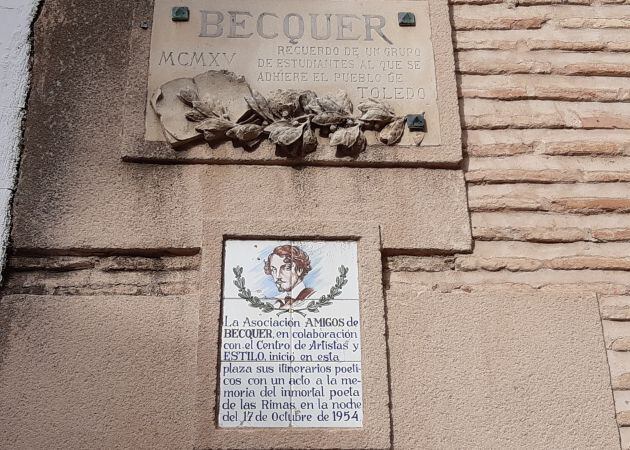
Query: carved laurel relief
{"type": "Point", "coordinates": [291, 119]}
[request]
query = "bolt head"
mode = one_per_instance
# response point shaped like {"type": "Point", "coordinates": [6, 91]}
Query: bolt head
{"type": "Point", "coordinates": [406, 19]}
{"type": "Point", "coordinates": [180, 14]}
{"type": "Point", "coordinates": [416, 122]}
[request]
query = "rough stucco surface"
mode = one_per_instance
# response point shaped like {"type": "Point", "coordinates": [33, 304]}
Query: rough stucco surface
{"type": "Point", "coordinates": [75, 192]}
{"type": "Point", "coordinates": [97, 372]}
{"type": "Point", "coordinates": [503, 368]}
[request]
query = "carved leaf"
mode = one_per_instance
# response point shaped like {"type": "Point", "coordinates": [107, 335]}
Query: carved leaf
{"type": "Point", "coordinates": [418, 137]}
{"type": "Point", "coordinates": [214, 124]}
{"type": "Point", "coordinates": [329, 118]}
{"type": "Point", "coordinates": [344, 101]}
{"type": "Point", "coordinates": [259, 104]}
{"type": "Point", "coordinates": [306, 97]}
{"type": "Point", "coordinates": [278, 124]}
{"type": "Point", "coordinates": [373, 103]}
{"type": "Point", "coordinates": [245, 133]}
{"type": "Point", "coordinates": [195, 116]}
{"type": "Point", "coordinates": [326, 104]}
{"type": "Point", "coordinates": [309, 141]}
{"type": "Point", "coordinates": [377, 115]}
{"type": "Point", "coordinates": [188, 96]}
{"type": "Point", "coordinates": [284, 103]}
{"type": "Point", "coordinates": [286, 135]}
{"type": "Point", "coordinates": [209, 107]}
{"type": "Point", "coordinates": [345, 136]}
{"type": "Point", "coordinates": [213, 136]}
{"type": "Point", "coordinates": [359, 145]}
{"type": "Point", "coordinates": [393, 132]}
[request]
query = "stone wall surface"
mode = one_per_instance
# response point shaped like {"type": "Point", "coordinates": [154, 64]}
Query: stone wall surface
{"type": "Point", "coordinates": [521, 341]}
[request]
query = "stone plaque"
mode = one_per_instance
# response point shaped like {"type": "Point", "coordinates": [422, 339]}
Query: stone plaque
{"type": "Point", "coordinates": [290, 351]}
{"type": "Point", "coordinates": [351, 52]}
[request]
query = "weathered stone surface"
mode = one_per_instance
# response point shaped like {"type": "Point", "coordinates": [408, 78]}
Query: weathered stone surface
{"type": "Point", "coordinates": [549, 93]}
{"type": "Point", "coordinates": [621, 382]}
{"type": "Point", "coordinates": [118, 275]}
{"type": "Point", "coordinates": [611, 70]}
{"type": "Point", "coordinates": [113, 371]}
{"type": "Point", "coordinates": [125, 263]}
{"type": "Point", "coordinates": [585, 199]}
{"type": "Point", "coordinates": [621, 344]}
{"type": "Point", "coordinates": [622, 401]}
{"type": "Point", "coordinates": [53, 263]}
{"type": "Point", "coordinates": [484, 62]}
{"type": "Point", "coordinates": [504, 23]}
{"type": "Point", "coordinates": [584, 148]}
{"type": "Point", "coordinates": [616, 312]}
{"type": "Point", "coordinates": [547, 169]}
{"type": "Point", "coordinates": [475, 2]}
{"type": "Point", "coordinates": [539, 44]}
{"type": "Point", "coordinates": [316, 194]}
{"type": "Point", "coordinates": [420, 263]}
{"type": "Point", "coordinates": [490, 150]}
{"type": "Point", "coordinates": [532, 234]}
{"type": "Point", "coordinates": [520, 264]}
{"type": "Point", "coordinates": [553, 337]}
{"type": "Point", "coordinates": [534, 227]}
{"type": "Point", "coordinates": [488, 114]}
{"type": "Point", "coordinates": [615, 234]}
{"type": "Point", "coordinates": [494, 264]}
{"type": "Point", "coordinates": [602, 282]}
{"type": "Point", "coordinates": [589, 22]}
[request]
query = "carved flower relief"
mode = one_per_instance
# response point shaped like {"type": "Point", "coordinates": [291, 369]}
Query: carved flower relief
{"type": "Point", "coordinates": [191, 109]}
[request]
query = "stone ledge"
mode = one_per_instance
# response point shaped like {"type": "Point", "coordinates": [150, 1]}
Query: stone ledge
{"type": "Point", "coordinates": [118, 275]}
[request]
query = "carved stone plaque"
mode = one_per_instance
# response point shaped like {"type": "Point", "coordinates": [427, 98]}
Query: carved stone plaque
{"type": "Point", "coordinates": [396, 55]}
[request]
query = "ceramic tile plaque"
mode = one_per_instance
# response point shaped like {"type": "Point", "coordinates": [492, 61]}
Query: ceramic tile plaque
{"type": "Point", "coordinates": [290, 351]}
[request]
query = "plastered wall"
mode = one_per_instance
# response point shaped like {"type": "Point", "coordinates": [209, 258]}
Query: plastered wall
{"type": "Point", "coordinates": [517, 341]}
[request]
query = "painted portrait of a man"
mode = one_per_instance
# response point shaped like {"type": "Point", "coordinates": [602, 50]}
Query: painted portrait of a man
{"type": "Point", "coordinates": [288, 265]}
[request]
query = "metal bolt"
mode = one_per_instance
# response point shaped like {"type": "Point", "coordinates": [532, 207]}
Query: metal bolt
{"type": "Point", "coordinates": [416, 122]}
{"type": "Point", "coordinates": [406, 19]}
{"type": "Point", "coordinates": [180, 14]}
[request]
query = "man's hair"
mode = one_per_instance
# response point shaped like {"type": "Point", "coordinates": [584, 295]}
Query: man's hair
{"type": "Point", "coordinates": [290, 253]}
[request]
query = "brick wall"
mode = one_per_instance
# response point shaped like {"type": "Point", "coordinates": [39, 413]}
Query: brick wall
{"type": "Point", "coordinates": [545, 92]}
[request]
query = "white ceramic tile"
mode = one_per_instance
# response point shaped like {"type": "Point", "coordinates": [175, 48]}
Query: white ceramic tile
{"type": "Point", "coordinates": [326, 260]}
{"type": "Point", "coordinates": [332, 334]}
{"type": "Point", "coordinates": [250, 255]}
{"type": "Point", "coordinates": [318, 382]}
{"type": "Point", "coordinates": [256, 344]}
{"type": "Point", "coordinates": [254, 395]}
{"type": "Point", "coordinates": [330, 399]}
{"type": "Point", "coordinates": [239, 312]}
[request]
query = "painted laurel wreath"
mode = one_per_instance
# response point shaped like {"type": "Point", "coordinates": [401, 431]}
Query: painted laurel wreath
{"type": "Point", "coordinates": [289, 118]}
{"type": "Point", "coordinates": [313, 306]}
